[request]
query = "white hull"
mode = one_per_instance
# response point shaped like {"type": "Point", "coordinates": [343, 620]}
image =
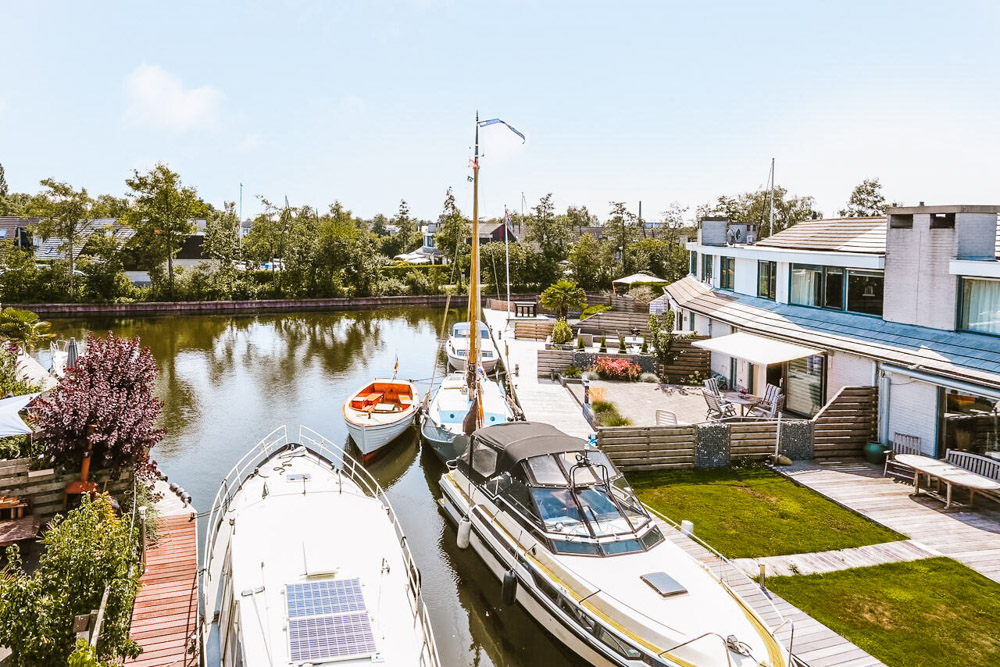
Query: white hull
{"type": "Point", "coordinates": [370, 439]}
{"type": "Point", "coordinates": [458, 363]}
{"type": "Point", "coordinates": [376, 418]}
{"type": "Point", "coordinates": [442, 425]}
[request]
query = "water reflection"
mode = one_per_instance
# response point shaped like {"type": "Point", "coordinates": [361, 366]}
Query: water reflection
{"type": "Point", "coordinates": [226, 381]}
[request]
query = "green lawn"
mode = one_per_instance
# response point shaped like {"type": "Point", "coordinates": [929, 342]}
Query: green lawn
{"type": "Point", "coordinates": [926, 612]}
{"type": "Point", "coordinates": [751, 513]}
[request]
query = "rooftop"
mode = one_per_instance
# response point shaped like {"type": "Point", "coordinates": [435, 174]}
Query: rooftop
{"type": "Point", "coordinates": [859, 235]}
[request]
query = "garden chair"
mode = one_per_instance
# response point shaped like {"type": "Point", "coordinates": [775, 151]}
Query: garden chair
{"type": "Point", "coordinates": [771, 393]}
{"type": "Point", "coordinates": [712, 386]}
{"type": "Point", "coordinates": [718, 408]}
{"type": "Point", "coordinates": [666, 418]}
{"type": "Point", "coordinates": [901, 444]}
{"type": "Point", "coordinates": [769, 409]}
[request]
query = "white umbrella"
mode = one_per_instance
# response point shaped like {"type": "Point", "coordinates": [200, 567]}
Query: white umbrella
{"type": "Point", "coordinates": [10, 421]}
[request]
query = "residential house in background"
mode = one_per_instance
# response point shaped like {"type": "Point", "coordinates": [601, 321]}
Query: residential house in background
{"type": "Point", "coordinates": [15, 230]}
{"type": "Point", "coordinates": [908, 303]}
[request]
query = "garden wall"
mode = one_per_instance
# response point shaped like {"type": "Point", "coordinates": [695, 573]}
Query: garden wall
{"type": "Point", "coordinates": [847, 422]}
{"type": "Point", "coordinates": [555, 361]}
{"type": "Point", "coordinates": [613, 322]}
{"type": "Point", "coordinates": [689, 360]}
{"type": "Point", "coordinates": [44, 490]}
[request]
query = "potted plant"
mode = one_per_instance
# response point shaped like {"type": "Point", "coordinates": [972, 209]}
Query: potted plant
{"type": "Point", "coordinates": [875, 452]}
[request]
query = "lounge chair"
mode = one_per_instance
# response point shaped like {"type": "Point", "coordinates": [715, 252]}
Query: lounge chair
{"type": "Point", "coordinates": [769, 408]}
{"type": "Point", "coordinates": [717, 407]}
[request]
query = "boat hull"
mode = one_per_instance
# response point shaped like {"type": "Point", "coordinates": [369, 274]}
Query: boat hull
{"type": "Point", "coordinates": [447, 445]}
{"type": "Point", "coordinates": [458, 363]}
{"type": "Point", "coordinates": [370, 439]}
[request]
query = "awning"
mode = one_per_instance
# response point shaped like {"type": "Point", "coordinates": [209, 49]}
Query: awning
{"type": "Point", "coordinates": [756, 349]}
{"type": "Point", "coordinates": [10, 421]}
{"type": "Point", "coordinates": [639, 278]}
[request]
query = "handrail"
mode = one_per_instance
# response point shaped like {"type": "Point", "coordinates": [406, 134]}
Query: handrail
{"type": "Point", "coordinates": [726, 571]}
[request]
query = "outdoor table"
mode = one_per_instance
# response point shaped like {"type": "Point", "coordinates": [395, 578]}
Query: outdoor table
{"type": "Point", "coordinates": [524, 309]}
{"type": "Point", "coordinates": [947, 473]}
{"type": "Point", "coordinates": [745, 401]}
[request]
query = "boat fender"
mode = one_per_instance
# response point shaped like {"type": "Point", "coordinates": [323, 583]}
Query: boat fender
{"type": "Point", "coordinates": [508, 590]}
{"type": "Point", "coordinates": [464, 532]}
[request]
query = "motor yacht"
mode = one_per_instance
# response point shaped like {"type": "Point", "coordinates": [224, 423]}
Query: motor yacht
{"type": "Point", "coordinates": [569, 541]}
{"type": "Point", "coordinates": [443, 422]}
{"type": "Point", "coordinates": [457, 347]}
{"type": "Point", "coordinates": [306, 564]}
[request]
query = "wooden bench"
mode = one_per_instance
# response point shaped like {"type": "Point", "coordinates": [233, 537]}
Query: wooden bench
{"type": "Point", "coordinates": [901, 444]}
{"type": "Point", "coordinates": [938, 472]}
{"type": "Point", "coordinates": [984, 466]}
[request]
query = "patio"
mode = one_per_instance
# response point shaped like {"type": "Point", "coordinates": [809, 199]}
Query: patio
{"type": "Point", "coordinates": [639, 401]}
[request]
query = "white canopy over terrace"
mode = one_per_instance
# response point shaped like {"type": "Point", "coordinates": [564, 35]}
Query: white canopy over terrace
{"type": "Point", "coordinates": [756, 349]}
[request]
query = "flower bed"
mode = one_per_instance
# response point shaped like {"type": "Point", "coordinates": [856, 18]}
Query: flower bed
{"type": "Point", "coordinates": [617, 369]}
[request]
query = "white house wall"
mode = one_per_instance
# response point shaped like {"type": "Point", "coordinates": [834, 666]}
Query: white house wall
{"type": "Point", "coordinates": [720, 362]}
{"type": "Point", "coordinates": [847, 370]}
{"type": "Point", "coordinates": [745, 281]}
{"type": "Point", "coordinates": [913, 411]}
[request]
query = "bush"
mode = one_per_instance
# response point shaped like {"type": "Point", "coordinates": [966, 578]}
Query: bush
{"type": "Point", "coordinates": [695, 379]}
{"type": "Point", "coordinates": [621, 344]}
{"type": "Point", "coordinates": [561, 333]}
{"type": "Point", "coordinates": [600, 407]}
{"type": "Point", "coordinates": [618, 369]}
{"type": "Point", "coordinates": [593, 310]}
{"type": "Point", "coordinates": [614, 419]}
{"type": "Point", "coordinates": [649, 377]}
{"type": "Point", "coordinates": [580, 345]}
{"type": "Point", "coordinates": [604, 344]}
{"type": "Point", "coordinates": [571, 372]}
{"type": "Point", "coordinates": [591, 375]}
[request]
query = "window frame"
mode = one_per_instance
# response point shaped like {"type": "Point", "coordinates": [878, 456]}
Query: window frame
{"type": "Point", "coordinates": [706, 268]}
{"type": "Point", "coordinates": [727, 266]}
{"type": "Point", "coordinates": [772, 280]}
{"type": "Point", "coordinates": [959, 315]}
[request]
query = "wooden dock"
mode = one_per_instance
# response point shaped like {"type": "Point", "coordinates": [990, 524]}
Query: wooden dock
{"type": "Point", "coordinates": [165, 615]}
{"type": "Point", "coordinates": [970, 536]}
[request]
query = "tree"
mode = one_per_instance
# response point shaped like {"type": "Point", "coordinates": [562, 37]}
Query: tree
{"type": "Point", "coordinates": [592, 262]}
{"type": "Point", "coordinates": [88, 551]}
{"type": "Point", "coordinates": [552, 234]}
{"type": "Point", "coordinates": [755, 207]}
{"type": "Point", "coordinates": [110, 389]}
{"type": "Point", "coordinates": [24, 329]}
{"type": "Point", "coordinates": [222, 235]}
{"type": "Point", "coordinates": [673, 221]}
{"type": "Point", "coordinates": [67, 214]}
{"type": "Point", "coordinates": [564, 296]}
{"type": "Point", "coordinates": [269, 234]}
{"type": "Point", "coordinates": [162, 212]}
{"type": "Point", "coordinates": [622, 229]}
{"type": "Point", "coordinates": [453, 232]}
{"type": "Point", "coordinates": [866, 201]}
{"type": "Point", "coordinates": [104, 266]}
{"type": "Point", "coordinates": [662, 337]}
{"type": "Point", "coordinates": [3, 183]}
{"type": "Point", "coordinates": [579, 216]}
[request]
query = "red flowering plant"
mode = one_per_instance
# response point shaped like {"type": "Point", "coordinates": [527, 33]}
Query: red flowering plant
{"type": "Point", "coordinates": [110, 389]}
{"type": "Point", "coordinates": [617, 369]}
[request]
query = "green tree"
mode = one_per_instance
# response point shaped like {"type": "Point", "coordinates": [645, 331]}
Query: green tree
{"type": "Point", "coordinates": [269, 235]}
{"type": "Point", "coordinates": [755, 207]}
{"type": "Point", "coordinates": [622, 228]}
{"type": "Point", "coordinates": [222, 244]}
{"type": "Point", "coordinates": [453, 232]}
{"type": "Point", "coordinates": [579, 216]}
{"type": "Point", "coordinates": [104, 266]}
{"type": "Point", "coordinates": [661, 336]}
{"type": "Point", "coordinates": [592, 262]}
{"type": "Point", "coordinates": [161, 213]}
{"type": "Point", "coordinates": [552, 234]}
{"type": "Point", "coordinates": [3, 183]}
{"type": "Point", "coordinates": [67, 214]}
{"type": "Point", "coordinates": [866, 201]}
{"type": "Point", "coordinates": [24, 329]}
{"type": "Point", "coordinates": [564, 296]}
{"type": "Point", "coordinates": [89, 550]}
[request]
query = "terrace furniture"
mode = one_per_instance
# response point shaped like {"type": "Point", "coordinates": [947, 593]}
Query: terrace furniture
{"type": "Point", "coordinates": [771, 394]}
{"type": "Point", "coordinates": [745, 401]}
{"type": "Point", "coordinates": [948, 474]}
{"type": "Point", "coordinates": [768, 409]}
{"type": "Point", "coordinates": [712, 385]}
{"type": "Point", "coordinates": [901, 444]}
{"type": "Point", "coordinates": [985, 466]}
{"type": "Point", "coordinates": [666, 418]}
{"type": "Point", "coordinates": [718, 408]}
{"type": "Point", "coordinates": [524, 308]}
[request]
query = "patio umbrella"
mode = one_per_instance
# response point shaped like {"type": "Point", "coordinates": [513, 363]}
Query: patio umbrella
{"type": "Point", "coordinates": [10, 421]}
{"type": "Point", "coordinates": [71, 353]}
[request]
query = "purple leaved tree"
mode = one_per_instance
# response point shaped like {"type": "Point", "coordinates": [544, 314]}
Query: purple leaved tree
{"type": "Point", "coordinates": [111, 389]}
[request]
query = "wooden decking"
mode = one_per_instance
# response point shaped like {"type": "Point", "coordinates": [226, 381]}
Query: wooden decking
{"type": "Point", "coordinates": [970, 536]}
{"type": "Point", "coordinates": [165, 616]}
{"type": "Point", "coordinates": [814, 643]}
{"type": "Point", "coordinates": [839, 559]}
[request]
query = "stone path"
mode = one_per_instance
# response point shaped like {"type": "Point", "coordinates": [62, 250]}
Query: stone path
{"type": "Point", "coordinates": [970, 536]}
{"type": "Point", "coordinates": [840, 559]}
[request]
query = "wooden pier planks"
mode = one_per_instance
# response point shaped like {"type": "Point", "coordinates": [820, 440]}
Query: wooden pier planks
{"type": "Point", "coordinates": [165, 615]}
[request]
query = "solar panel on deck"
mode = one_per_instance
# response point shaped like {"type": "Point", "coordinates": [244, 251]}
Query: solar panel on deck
{"type": "Point", "coordinates": [328, 620]}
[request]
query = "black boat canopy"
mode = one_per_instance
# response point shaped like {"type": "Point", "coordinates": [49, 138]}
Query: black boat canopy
{"type": "Point", "coordinates": [517, 441]}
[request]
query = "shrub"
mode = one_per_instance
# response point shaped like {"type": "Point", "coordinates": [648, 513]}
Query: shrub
{"type": "Point", "coordinates": [614, 419]}
{"type": "Point", "coordinates": [591, 375]}
{"type": "Point", "coordinates": [597, 394]}
{"type": "Point", "coordinates": [571, 372]}
{"type": "Point", "coordinates": [593, 310]}
{"type": "Point", "coordinates": [604, 344]}
{"type": "Point", "coordinates": [564, 296]}
{"type": "Point", "coordinates": [580, 345]}
{"type": "Point", "coordinates": [621, 344]}
{"type": "Point", "coordinates": [603, 406]}
{"type": "Point", "coordinates": [649, 377]}
{"type": "Point", "coordinates": [561, 333]}
{"type": "Point", "coordinates": [618, 369]}
{"type": "Point", "coordinates": [695, 379]}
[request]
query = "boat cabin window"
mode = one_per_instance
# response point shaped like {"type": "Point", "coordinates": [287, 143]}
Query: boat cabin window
{"type": "Point", "coordinates": [484, 459]}
{"type": "Point", "coordinates": [546, 471]}
{"type": "Point", "coordinates": [516, 493]}
{"type": "Point", "coordinates": [559, 511]}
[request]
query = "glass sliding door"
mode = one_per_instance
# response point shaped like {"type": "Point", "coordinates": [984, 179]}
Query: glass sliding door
{"type": "Point", "coordinates": [804, 385]}
{"type": "Point", "coordinates": [807, 285]}
{"type": "Point", "coordinates": [833, 290]}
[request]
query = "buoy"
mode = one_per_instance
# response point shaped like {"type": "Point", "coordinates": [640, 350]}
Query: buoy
{"type": "Point", "coordinates": [464, 532]}
{"type": "Point", "coordinates": [508, 590]}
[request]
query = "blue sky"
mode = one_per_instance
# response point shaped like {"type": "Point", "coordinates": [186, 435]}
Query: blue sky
{"type": "Point", "coordinates": [371, 102]}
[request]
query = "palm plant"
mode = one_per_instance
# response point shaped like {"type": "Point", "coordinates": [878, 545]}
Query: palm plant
{"type": "Point", "coordinates": [23, 329]}
{"type": "Point", "coordinates": [563, 296]}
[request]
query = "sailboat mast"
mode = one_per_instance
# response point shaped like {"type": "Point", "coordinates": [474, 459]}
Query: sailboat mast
{"type": "Point", "coordinates": [472, 362]}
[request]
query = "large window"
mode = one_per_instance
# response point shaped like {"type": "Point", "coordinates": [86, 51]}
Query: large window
{"type": "Point", "coordinates": [980, 306]}
{"type": "Point", "coordinates": [864, 291]}
{"type": "Point", "coordinates": [767, 273]}
{"type": "Point", "coordinates": [727, 272]}
{"type": "Point", "coordinates": [804, 385]}
{"type": "Point", "coordinates": [970, 422]}
{"type": "Point", "coordinates": [694, 263]}
{"type": "Point", "coordinates": [706, 268]}
{"type": "Point", "coordinates": [807, 285]}
{"type": "Point", "coordinates": [833, 289]}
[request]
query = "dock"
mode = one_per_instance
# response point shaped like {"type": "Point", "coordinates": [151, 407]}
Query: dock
{"type": "Point", "coordinates": [165, 614]}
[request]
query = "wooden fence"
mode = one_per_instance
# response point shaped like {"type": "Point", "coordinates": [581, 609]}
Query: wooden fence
{"type": "Point", "coordinates": [627, 304]}
{"type": "Point", "coordinates": [614, 322]}
{"type": "Point", "coordinates": [533, 329]}
{"type": "Point", "coordinates": [648, 448]}
{"type": "Point", "coordinates": [44, 490]}
{"type": "Point", "coordinates": [553, 361]}
{"type": "Point", "coordinates": [689, 360]}
{"type": "Point", "coordinates": [846, 423]}
{"type": "Point", "coordinates": [752, 438]}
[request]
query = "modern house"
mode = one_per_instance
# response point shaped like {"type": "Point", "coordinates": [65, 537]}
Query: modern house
{"type": "Point", "coordinates": [908, 303]}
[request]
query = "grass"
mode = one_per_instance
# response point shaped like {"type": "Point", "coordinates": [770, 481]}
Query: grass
{"type": "Point", "coordinates": [926, 612]}
{"type": "Point", "coordinates": [753, 513]}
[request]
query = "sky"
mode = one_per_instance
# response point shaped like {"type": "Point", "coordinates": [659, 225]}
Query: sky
{"type": "Point", "coordinates": [369, 103]}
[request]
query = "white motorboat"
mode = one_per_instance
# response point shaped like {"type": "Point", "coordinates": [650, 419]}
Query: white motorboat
{"type": "Point", "coordinates": [306, 563]}
{"type": "Point", "coordinates": [560, 528]}
{"type": "Point", "coordinates": [443, 423]}
{"type": "Point", "coordinates": [380, 412]}
{"type": "Point", "coordinates": [457, 347]}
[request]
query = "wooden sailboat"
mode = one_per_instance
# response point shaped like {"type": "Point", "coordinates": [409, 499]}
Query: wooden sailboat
{"type": "Point", "coordinates": [380, 412]}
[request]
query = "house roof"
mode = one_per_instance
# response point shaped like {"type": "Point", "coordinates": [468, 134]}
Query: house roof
{"type": "Point", "coordinates": [860, 235]}
{"type": "Point", "coordinates": [10, 224]}
{"type": "Point", "coordinates": [963, 356]}
{"type": "Point", "coordinates": [50, 248]}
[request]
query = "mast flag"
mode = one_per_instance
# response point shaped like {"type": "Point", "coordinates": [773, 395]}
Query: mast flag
{"type": "Point", "coordinates": [494, 121]}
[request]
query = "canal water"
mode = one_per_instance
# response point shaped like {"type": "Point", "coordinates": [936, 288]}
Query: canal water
{"type": "Point", "coordinates": [227, 381]}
